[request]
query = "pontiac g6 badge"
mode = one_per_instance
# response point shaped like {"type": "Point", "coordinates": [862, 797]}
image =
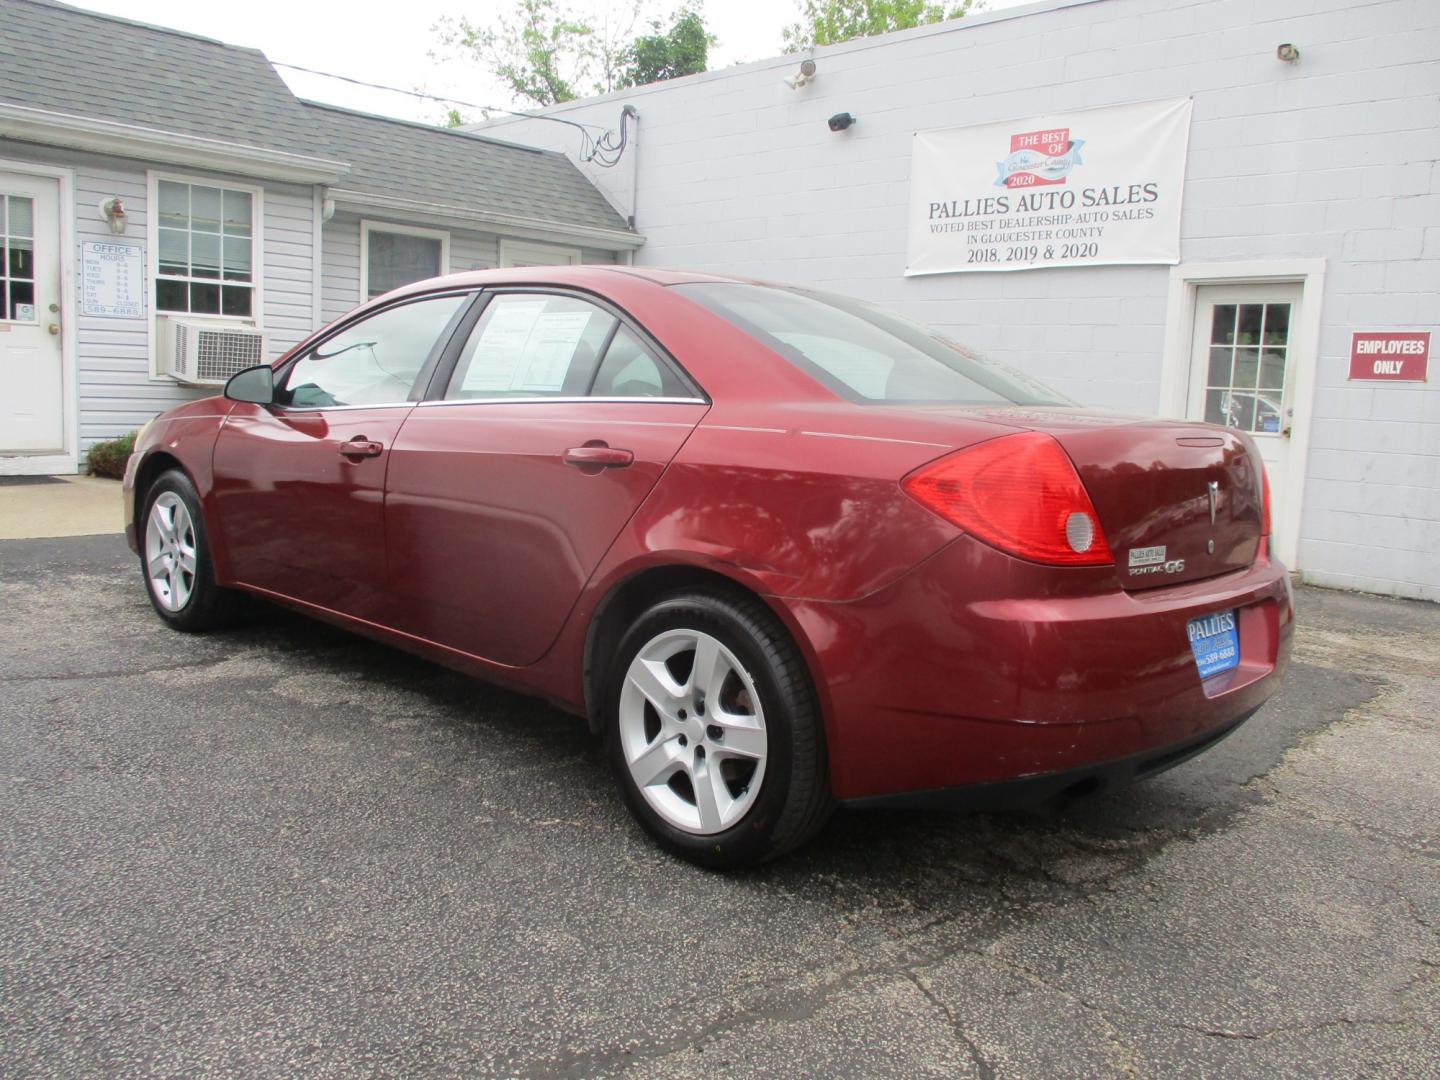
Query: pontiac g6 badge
{"type": "Point", "coordinates": [1151, 560]}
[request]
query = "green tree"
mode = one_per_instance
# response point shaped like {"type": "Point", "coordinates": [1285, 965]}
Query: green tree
{"type": "Point", "coordinates": [829, 22]}
{"type": "Point", "coordinates": [544, 53]}
{"type": "Point", "coordinates": [659, 55]}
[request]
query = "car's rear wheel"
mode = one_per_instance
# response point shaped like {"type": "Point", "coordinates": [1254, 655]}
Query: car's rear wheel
{"type": "Point", "coordinates": [713, 730]}
{"type": "Point", "coordinates": [175, 558]}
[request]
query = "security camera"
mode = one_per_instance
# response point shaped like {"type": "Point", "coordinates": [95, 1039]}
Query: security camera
{"type": "Point", "coordinates": [840, 121]}
{"type": "Point", "coordinates": [803, 76]}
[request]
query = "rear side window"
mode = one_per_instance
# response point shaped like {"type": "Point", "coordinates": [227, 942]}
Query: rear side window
{"type": "Point", "coordinates": [532, 345]}
{"type": "Point", "coordinates": [864, 354]}
{"type": "Point", "coordinates": [372, 362]}
{"type": "Point", "coordinates": [529, 345]}
{"type": "Point", "coordinates": [631, 370]}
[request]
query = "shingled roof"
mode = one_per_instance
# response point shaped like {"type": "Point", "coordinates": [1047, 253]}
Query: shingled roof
{"type": "Point", "coordinates": [456, 168]}
{"type": "Point", "coordinates": [80, 63]}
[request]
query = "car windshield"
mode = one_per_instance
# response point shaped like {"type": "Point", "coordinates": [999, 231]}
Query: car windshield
{"type": "Point", "coordinates": [864, 354]}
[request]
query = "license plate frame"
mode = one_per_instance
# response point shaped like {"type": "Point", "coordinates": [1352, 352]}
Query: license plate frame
{"type": "Point", "coordinates": [1215, 642]}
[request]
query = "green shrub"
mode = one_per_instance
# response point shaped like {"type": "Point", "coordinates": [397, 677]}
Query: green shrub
{"type": "Point", "coordinates": [108, 458]}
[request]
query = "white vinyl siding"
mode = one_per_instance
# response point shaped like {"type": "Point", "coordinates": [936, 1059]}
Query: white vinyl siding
{"type": "Point", "coordinates": [340, 252]}
{"type": "Point", "coordinates": [117, 392]}
{"type": "Point", "coordinates": [289, 266]}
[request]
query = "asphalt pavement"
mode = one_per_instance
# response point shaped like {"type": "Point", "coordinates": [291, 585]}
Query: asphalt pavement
{"type": "Point", "coordinates": [285, 851]}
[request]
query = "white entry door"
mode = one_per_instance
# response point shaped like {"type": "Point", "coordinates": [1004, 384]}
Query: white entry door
{"type": "Point", "coordinates": [31, 370]}
{"type": "Point", "coordinates": [1242, 374]}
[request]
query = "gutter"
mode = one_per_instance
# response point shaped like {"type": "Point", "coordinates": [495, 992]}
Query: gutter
{"type": "Point", "coordinates": [167, 147]}
{"type": "Point", "coordinates": [470, 217]}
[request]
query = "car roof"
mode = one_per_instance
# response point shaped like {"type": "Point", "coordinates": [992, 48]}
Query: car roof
{"type": "Point", "coordinates": [592, 276]}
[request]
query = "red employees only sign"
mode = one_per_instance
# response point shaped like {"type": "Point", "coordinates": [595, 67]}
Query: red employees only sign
{"type": "Point", "coordinates": [1389, 357]}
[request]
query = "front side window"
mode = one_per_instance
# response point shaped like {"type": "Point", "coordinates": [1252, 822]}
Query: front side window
{"type": "Point", "coordinates": [864, 354]}
{"type": "Point", "coordinates": [373, 362]}
{"type": "Point", "coordinates": [393, 259]}
{"type": "Point", "coordinates": [206, 245]}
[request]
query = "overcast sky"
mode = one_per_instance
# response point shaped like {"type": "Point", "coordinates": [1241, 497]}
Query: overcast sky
{"type": "Point", "coordinates": [391, 44]}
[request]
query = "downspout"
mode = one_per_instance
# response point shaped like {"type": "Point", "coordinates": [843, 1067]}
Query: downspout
{"type": "Point", "coordinates": [634, 115]}
{"type": "Point", "coordinates": [317, 260]}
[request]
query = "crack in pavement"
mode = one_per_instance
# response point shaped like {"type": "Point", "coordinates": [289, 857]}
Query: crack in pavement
{"type": "Point", "coordinates": [983, 1069]}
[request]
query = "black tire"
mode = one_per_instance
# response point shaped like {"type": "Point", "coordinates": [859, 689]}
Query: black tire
{"type": "Point", "coordinates": [794, 800]}
{"type": "Point", "coordinates": [208, 607]}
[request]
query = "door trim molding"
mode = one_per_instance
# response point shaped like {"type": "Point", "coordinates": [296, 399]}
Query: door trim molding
{"type": "Point", "coordinates": [68, 460]}
{"type": "Point", "coordinates": [1309, 274]}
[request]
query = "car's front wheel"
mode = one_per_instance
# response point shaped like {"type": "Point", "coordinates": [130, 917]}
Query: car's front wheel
{"type": "Point", "coordinates": [713, 730]}
{"type": "Point", "coordinates": [175, 558]}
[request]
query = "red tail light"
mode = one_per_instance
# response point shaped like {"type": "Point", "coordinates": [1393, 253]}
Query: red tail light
{"type": "Point", "coordinates": [1019, 493]}
{"type": "Point", "coordinates": [1264, 495]}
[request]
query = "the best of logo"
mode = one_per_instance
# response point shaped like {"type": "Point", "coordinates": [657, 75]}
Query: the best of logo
{"type": "Point", "coordinates": [1039, 158]}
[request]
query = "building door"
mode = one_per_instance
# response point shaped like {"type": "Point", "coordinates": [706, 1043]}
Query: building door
{"type": "Point", "coordinates": [31, 368]}
{"type": "Point", "coordinates": [1243, 368]}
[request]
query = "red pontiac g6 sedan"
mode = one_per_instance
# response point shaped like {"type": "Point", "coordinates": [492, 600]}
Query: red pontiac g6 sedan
{"type": "Point", "coordinates": [780, 547]}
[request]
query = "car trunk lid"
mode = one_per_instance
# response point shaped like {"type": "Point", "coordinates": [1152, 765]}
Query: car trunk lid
{"type": "Point", "coordinates": [1177, 501]}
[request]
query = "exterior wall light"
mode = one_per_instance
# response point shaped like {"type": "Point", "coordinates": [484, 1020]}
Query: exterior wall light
{"type": "Point", "coordinates": [840, 121]}
{"type": "Point", "coordinates": [803, 76]}
{"type": "Point", "coordinates": [113, 211]}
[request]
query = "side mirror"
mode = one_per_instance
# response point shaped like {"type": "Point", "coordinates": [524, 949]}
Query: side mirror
{"type": "Point", "coordinates": [255, 385]}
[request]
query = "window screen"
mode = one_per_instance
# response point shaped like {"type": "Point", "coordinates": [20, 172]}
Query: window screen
{"type": "Point", "coordinates": [395, 259]}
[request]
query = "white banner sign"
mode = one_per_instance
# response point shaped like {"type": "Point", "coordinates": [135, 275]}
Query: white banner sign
{"type": "Point", "coordinates": [1093, 188]}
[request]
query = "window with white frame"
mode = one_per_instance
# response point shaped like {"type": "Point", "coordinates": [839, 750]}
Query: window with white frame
{"type": "Point", "coordinates": [395, 255]}
{"type": "Point", "coordinates": [207, 251]}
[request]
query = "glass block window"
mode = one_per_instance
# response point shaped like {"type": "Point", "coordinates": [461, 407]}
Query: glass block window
{"type": "Point", "coordinates": [207, 250]}
{"type": "Point", "coordinates": [17, 259]}
{"type": "Point", "coordinates": [1245, 384]}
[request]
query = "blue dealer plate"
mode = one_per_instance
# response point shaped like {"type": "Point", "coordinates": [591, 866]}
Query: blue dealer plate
{"type": "Point", "coordinates": [1215, 641]}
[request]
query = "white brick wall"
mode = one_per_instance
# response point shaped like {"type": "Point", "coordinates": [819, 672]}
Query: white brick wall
{"type": "Point", "coordinates": [1332, 157]}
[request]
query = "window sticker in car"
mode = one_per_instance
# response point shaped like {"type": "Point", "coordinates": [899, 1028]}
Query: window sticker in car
{"type": "Point", "coordinates": [501, 344]}
{"type": "Point", "coordinates": [552, 344]}
{"type": "Point", "coordinates": [523, 347]}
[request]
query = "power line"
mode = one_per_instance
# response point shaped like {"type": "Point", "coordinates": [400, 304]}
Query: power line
{"type": "Point", "coordinates": [586, 128]}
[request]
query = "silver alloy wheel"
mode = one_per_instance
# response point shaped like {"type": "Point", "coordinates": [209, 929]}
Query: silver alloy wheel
{"type": "Point", "coordinates": [692, 730]}
{"type": "Point", "coordinates": [170, 551]}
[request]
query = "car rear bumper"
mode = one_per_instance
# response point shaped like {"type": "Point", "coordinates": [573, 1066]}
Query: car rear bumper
{"type": "Point", "coordinates": [980, 669]}
{"type": "Point", "coordinates": [1028, 792]}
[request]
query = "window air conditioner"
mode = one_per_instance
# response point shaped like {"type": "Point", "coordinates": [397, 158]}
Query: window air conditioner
{"type": "Point", "coordinates": [206, 354]}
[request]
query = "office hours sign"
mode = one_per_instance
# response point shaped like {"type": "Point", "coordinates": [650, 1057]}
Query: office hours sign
{"type": "Point", "coordinates": [1095, 188]}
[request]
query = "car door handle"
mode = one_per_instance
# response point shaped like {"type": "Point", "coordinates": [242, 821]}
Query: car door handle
{"type": "Point", "coordinates": [598, 457]}
{"type": "Point", "coordinates": [359, 447]}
